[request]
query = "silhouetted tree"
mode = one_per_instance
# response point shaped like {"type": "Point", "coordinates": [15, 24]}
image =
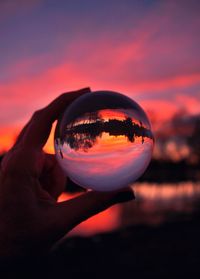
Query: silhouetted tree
{"type": "Point", "coordinates": [194, 140]}
{"type": "Point", "coordinates": [85, 135]}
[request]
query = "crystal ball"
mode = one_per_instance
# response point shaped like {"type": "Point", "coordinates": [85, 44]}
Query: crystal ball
{"type": "Point", "coordinates": [103, 141]}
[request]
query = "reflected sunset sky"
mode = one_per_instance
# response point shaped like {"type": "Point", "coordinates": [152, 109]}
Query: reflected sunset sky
{"type": "Point", "coordinates": [148, 50]}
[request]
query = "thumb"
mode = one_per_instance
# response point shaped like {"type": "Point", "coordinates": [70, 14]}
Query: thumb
{"type": "Point", "coordinates": [68, 214]}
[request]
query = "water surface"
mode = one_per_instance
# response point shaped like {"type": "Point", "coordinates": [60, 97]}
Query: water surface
{"type": "Point", "coordinates": [155, 204]}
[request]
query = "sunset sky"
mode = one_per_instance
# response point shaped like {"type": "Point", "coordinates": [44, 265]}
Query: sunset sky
{"type": "Point", "coordinates": [148, 50]}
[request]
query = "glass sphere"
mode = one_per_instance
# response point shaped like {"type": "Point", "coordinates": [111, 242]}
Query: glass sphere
{"type": "Point", "coordinates": [104, 141]}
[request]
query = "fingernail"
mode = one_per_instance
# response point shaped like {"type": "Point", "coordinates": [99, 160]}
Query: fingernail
{"type": "Point", "coordinates": [125, 196]}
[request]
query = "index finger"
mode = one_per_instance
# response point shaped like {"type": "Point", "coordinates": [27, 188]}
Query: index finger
{"type": "Point", "coordinates": [37, 131]}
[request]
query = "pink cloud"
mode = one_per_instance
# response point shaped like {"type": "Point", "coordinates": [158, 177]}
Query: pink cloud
{"type": "Point", "coordinates": [190, 103]}
{"type": "Point", "coordinates": [154, 55]}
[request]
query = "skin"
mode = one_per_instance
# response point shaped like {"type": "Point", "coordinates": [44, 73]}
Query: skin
{"type": "Point", "coordinates": [31, 219]}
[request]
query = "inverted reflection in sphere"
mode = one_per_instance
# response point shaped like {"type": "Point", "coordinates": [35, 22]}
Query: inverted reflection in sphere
{"type": "Point", "coordinates": [104, 141]}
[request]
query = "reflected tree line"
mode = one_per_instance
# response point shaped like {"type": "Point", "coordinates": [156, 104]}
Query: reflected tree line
{"type": "Point", "coordinates": [84, 136]}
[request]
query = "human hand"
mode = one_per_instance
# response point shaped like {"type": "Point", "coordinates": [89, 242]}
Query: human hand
{"type": "Point", "coordinates": [31, 219]}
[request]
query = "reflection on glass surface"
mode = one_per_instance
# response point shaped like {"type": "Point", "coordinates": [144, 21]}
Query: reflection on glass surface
{"type": "Point", "coordinates": [104, 141]}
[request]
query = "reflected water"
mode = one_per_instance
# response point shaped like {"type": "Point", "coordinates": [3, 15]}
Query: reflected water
{"type": "Point", "coordinates": [158, 203]}
{"type": "Point", "coordinates": [155, 204]}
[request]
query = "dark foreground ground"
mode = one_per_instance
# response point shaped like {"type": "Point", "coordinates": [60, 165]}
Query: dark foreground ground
{"type": "Point", "coordinates": [168, 251]}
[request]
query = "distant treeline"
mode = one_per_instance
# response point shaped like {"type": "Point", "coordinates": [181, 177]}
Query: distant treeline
{"type": "Point", "coordinates": [162, 171]}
